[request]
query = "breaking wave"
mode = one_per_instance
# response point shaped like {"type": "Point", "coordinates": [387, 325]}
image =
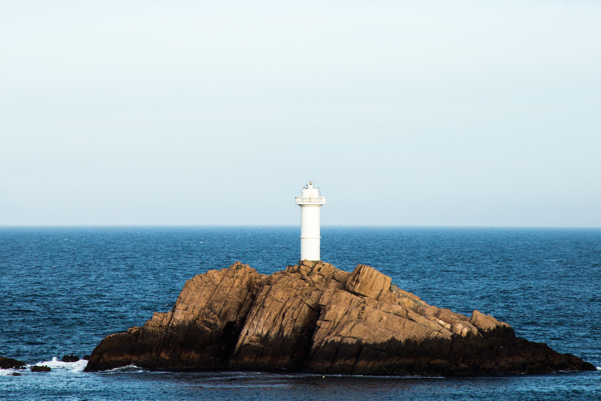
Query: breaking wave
{"type": "Point", "coordinates": [129, 368]}
{"type": "Point", "coordinates": [54, 364]}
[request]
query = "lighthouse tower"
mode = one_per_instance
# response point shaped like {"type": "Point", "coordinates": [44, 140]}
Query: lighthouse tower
{"type": "Point", "coordinates": [310, 201]}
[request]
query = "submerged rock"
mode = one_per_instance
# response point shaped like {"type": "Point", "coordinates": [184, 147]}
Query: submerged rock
{"type": "Point", "coordinates": [313, 317]}
{"type": "Point", "coordinates": [9, 363]}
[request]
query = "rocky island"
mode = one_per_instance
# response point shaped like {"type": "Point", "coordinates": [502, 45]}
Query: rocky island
{"type": "Point", "coordinates": [313, 317]}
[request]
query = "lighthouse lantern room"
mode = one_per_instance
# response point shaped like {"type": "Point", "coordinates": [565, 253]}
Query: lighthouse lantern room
{"type": "Point", "coordinates": [310, 201]}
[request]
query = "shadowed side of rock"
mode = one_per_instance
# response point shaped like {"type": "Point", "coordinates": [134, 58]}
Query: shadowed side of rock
{"type": "Point", "coordinates": [9, 363]}
{"type": "Point", "coordinates": [199, 333]}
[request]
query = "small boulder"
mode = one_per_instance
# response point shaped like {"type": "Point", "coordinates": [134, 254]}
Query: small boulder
{"type": "Point", "coordinates": [86, 358]}
{"type": "Point", "coordinates": [490, 327]}
{"type": "Point", "coordinates": [42, 368]}
{"type": "Point", "coordinates": [368, 282]}
{"type": "Point", "coordinates": [70, 358]}
{"type": "Point", "coordinates": [9, 363]}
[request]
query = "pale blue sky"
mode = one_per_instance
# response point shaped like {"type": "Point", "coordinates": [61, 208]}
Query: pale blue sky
{"type": "Point", "coordinates": [478, 113]}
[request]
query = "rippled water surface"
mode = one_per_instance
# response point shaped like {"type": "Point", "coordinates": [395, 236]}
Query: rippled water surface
{"type": "Point", "coordinates": [64, 289]}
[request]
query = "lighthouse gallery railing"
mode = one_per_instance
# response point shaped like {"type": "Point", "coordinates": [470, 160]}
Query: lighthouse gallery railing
{"type": "Point", "coordinates": [316, 200]}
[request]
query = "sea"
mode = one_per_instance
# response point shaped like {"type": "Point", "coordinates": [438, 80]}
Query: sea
{"type": "Point", "coordinates": [63, 289]}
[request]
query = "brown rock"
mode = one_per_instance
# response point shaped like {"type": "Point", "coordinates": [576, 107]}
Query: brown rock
{"type": "Point", "coordinates": [353, 337]}
{"type": "Point", "coordinates": [368, 282]}
{"type": "Point", "coordinates": [9, 363]}
{"type": "Point", "coordinates": [278, 329]}
{"type": "Point", "coordinates": [198, 333]}
{"type": "Point", "coordinates": [491, 327]}
{"type": "Point", "coordinates": [313, 317]}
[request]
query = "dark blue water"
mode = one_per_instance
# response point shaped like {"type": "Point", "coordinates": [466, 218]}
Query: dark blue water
{"type": "Point", "coordinates": [64, 289]}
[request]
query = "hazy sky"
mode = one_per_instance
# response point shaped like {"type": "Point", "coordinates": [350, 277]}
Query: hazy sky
{"type": "Point", "coordinates": [218, 112]}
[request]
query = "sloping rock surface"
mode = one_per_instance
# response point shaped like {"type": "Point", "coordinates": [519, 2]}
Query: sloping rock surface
{"type": "Point", "coordinates": [316, 318]}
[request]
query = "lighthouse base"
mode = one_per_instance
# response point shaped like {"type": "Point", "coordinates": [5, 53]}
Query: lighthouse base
{"type": "Point", "coordinates": [310, 248]}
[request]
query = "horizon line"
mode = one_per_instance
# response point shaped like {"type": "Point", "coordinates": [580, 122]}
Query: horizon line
{"type": "Point", "coordinates": [278, 225]}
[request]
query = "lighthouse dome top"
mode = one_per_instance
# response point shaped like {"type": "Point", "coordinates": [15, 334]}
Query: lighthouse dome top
{"type": "Point", "coordinates": [311, 195]}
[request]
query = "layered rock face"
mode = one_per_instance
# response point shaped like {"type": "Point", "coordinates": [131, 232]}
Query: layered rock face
{"type": "Point", "coordinates": [313, 317]}
{"type": "Point", "coordinates": [278, 331]}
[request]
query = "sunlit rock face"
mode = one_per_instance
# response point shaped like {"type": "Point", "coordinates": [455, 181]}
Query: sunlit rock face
{"type": "Point", "coordinates": [313, 317]}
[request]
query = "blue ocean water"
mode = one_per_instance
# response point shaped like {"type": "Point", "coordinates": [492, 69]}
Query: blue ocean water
{"type": "Point", "coordinates": [64, 289]}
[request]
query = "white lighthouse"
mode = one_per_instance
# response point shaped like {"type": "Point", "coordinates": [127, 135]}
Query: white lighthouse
{"type": "Point", "coordinates": [310, 201]}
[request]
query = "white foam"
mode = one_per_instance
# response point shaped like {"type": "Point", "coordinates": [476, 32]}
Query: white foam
{"type": "Point", "coordinates": [598, 367]}
{"type": "Point", "coordinates": [9, 372]}
{"type": "Point", "coordinates": [129, 368]}
{"type": "Point", "coordinates": [55, 364]}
